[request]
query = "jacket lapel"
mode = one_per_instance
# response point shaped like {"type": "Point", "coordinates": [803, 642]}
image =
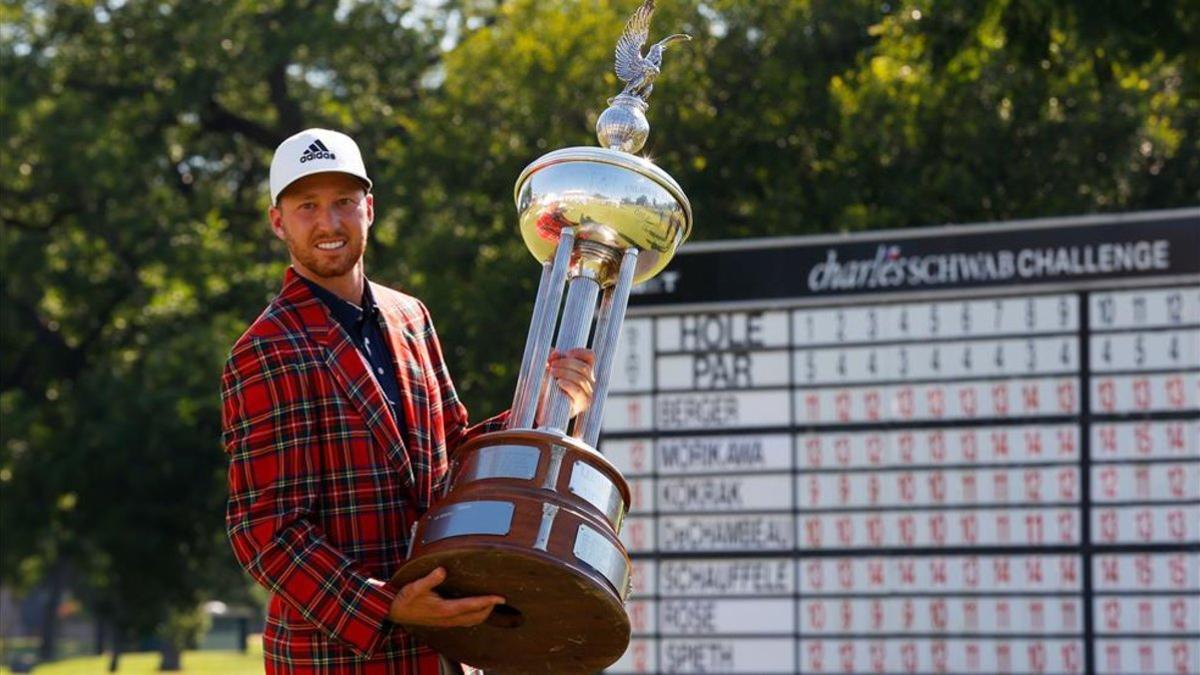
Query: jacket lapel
{"type": "Point", "coordinates": [415, 402]}
{"type": "Point", "coordinates": [350, 371]}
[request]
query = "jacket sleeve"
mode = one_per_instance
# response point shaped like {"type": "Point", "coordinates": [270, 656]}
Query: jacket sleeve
{"type": "Point", "coordinates": [454, 414]}
{"type": "Point", "coordinates": [274, 477]}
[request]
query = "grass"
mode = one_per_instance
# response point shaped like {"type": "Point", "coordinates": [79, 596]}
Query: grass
{"type": "Point", "coordinates": [145, 663]}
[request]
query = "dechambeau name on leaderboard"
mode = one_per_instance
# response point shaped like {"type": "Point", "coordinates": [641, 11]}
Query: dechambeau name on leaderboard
{"type": "Point", "coordinates": [890, 268]}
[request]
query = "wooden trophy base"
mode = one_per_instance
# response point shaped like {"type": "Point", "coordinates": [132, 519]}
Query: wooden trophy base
{"type": "Point", "coordinates": [531, 516]}
{"type": "Point", "coordinates": [555, 621]}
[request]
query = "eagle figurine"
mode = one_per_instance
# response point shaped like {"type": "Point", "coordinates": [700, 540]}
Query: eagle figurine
{"type": "Point", "coordinates": [637, 71]}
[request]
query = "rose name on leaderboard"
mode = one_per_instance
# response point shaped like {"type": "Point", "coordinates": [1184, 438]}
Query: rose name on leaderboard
{"type": "Point", "coordinates": [938, 474]}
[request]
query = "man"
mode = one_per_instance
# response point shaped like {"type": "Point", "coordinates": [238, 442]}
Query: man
{"type": "Point", "coordinates": [338, 417]}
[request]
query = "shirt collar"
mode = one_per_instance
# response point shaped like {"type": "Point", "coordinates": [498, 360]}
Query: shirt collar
{"type": "Point", "coordinates": [369, 306]}
{"type": "Point", "coordinates": [345, 312]}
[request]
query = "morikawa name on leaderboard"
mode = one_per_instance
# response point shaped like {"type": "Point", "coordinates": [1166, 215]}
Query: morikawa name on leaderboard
{"type": "Point", "coordinates": [701, 453]}
{"type": "Point", "coordinates": [891, 268]}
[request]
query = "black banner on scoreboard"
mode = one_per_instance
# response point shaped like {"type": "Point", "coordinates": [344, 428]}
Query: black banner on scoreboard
{"type": "Point", "coordinates": [954, 257]}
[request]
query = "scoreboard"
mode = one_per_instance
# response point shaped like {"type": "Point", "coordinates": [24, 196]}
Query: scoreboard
{"type": "Point", "coordinates": [969, 449]}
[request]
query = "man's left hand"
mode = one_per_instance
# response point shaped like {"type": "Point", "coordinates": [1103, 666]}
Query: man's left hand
{"type": "Point", "coordinates": [573, 370]}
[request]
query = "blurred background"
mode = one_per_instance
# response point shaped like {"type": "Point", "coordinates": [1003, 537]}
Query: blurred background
{"type": "Point", "coordinates": [136, 141]}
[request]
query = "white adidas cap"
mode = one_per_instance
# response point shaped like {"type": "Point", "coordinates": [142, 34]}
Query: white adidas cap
{"type": "Point", "coordinates": [315, 151]}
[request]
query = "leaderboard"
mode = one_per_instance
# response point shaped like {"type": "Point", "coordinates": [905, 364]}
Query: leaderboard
{"type": "Point", "coordinates": [951, 450]}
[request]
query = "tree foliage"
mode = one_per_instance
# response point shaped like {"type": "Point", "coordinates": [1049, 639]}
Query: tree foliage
{"type": "Point", "coordinates": [136, 141]}
{"type": "Point", "coordinates": [137, 136]}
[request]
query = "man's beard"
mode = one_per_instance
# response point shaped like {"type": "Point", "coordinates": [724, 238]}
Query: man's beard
{"type": "Point", "coordinates": [326, 266]}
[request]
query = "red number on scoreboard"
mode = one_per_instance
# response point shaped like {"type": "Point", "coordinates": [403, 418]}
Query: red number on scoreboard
{"type": "Point", "coordinates": [1176, 395]}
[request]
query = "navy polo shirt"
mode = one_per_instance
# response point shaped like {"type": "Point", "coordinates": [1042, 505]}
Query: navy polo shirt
{"type": "Point", "coordinates": [364, 326]}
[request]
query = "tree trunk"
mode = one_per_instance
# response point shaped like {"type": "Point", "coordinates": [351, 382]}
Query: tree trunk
{"type": "Point", "coordinates": [171, 656]}
{"type": "Point", "coordinates": [49, 644]}
{"type": "Point", "coordinates": [98, 648]}
{"type": "Point", "coordinates": [115, 661]}
{"type": "Point", "coordinates": [243, 634]}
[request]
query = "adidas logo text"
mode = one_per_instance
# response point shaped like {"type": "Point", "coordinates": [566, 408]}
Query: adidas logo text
{"type": "Point", "coordinates": [316, 150]}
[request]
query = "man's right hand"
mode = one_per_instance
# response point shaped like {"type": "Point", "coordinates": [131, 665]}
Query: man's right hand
{"type": "Point", "coordinates": [417, 604]}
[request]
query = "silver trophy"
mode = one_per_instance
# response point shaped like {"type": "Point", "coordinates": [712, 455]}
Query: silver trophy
{"type": "Point", "coordinates": [532, 513]}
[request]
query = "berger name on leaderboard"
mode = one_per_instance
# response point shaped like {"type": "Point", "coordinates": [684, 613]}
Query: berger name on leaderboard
{"type": "Point", "coordinates": [969, 450]}
{"type": "Point", "coordinates": [699, 411]}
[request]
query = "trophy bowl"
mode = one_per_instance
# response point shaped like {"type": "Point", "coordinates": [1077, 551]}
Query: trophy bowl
{"type": "Point", "coordinates": [609, 197]}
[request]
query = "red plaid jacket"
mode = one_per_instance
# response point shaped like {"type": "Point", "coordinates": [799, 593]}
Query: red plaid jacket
{"type": "Point", "coordinates": [322, 488]}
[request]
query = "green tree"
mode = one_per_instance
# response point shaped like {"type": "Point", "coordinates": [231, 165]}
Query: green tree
{"type": "Point", "coordinates": [987, 110]}
{"type": "Point", "coordinates": [134, 253]}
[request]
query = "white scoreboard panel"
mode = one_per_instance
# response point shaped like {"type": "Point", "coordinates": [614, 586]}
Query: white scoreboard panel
{"type": "Point", "coordinates": [845, 458]}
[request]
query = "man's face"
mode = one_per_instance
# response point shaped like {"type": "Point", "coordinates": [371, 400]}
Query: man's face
{"type": "Point", "coordinates": [324, 219]}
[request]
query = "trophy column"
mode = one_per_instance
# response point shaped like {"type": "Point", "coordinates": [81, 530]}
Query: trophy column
{"type": "Point", "coordinates": [533, 512]}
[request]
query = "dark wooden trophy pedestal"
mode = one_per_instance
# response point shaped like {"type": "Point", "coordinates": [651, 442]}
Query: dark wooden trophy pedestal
{"type": "Point", "coordinates": [532, 516]}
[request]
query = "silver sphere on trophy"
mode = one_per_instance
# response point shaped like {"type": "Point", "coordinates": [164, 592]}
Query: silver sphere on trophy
{"type": "Point", "coordinates": [533, 512]}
